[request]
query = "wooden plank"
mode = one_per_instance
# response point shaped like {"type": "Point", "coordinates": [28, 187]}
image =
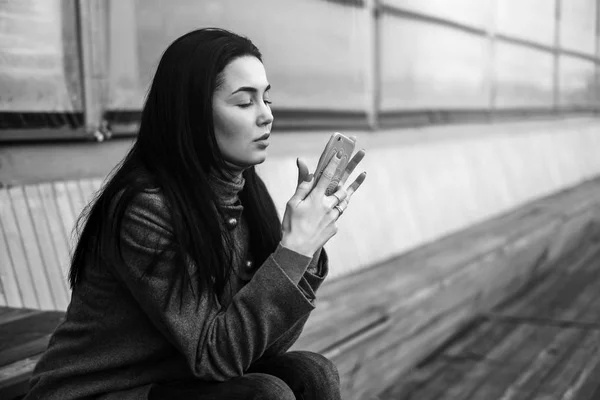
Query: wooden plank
{"type": "Point", "coordinates": [10, 287]}
{"type": "Point", "coordinates": [50, 265]}
{"type": "Point", "coordinates": [450, 363]}
{"type": "Point", "coordinates": [494, 361]}
{"type": "Point", "coordinates": [66, 213]}
{"type": "Point", "coordinates": [87, 189]}
{"type": "Point", "coordinates": [549, 289]}
{"type": "Point", "coordinates": [8, 314]}
{"type": "Point", "coordinates": [2, 295]}
{"type": "Point", "coordinates": [58, 232]}
{"type": "Point", "coordinates": [585, 384]}
{"type": "Point", "coordinates": [14, 378]}
{"type": "Point", "coordinates": [16, 251]}
{"type": "Point", "coordinates": [494, 384]}
{"type": "Point", "coordinates": [529, 365]}
{"type": "Point", "coordinates": [76, 196]}
{"type": "Point", "coordinates": [489, 364]}
{"type": "Point", "coordinates": [20, 332]}
{"type": "Point", "coordinates": [29, 238]}
{"type": "Point", "coordinates": [77, 204]}
{"type": "Point", "coordinates": [97, 183]}
{"type": "Point", "coordinates": [570, 234]}
{"type": "Point", "coordinates": [565, 372]}
{"type": "Point", "coordinates": [590, 313]}
{"type": "Point", "coordinates": [386, 369]}
{"type": "Point", "coordinates": [33, 346]}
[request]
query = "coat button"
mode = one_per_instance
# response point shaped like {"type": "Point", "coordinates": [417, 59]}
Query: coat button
{"type": "Point", "coordinates": [249, 264]}
{"type": "Point", "coordinates": [232, 222]}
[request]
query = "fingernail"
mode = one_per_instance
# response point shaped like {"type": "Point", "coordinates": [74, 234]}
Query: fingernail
{"type": "Point", "coordinates": [339, 154]}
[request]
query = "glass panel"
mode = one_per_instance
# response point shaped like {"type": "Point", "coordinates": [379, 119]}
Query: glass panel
{"type": "Point", "coordinates": [427, 66]}
{"type": "Point", "coordinates": [577, 81]}
{"type": "Point", "coordinates": [469, 12]}
{"type": "Point", "coordinates": [578, 25]}
{"type": "Point", "coordinates": [523, 77]}
{"type": "Point", "coordinates": [315, 52]}
{"type": "Point", "coordinates": [531, 20]}
{"type": "Point", "coordinates": [39, 71]}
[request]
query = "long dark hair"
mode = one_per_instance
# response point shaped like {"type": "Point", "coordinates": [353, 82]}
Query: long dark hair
{"type": "Point", "coordinates": [174, 151]}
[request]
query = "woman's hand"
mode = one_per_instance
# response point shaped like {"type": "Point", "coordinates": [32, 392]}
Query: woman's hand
{"type": "Point", "coordinates": [310, 216]}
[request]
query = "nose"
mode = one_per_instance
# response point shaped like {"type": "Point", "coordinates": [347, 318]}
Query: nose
{"type": "Point", "coordinates": [266, 116]}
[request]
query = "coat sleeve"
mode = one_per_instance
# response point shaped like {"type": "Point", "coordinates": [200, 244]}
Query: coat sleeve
{"type": "Point", "coordinates": [309, 284]}
{"type": "Point", "coordinates": [217, 344]}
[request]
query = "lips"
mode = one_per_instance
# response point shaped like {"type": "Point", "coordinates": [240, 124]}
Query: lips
{"type": "Point", "coordinates": [264, 137]}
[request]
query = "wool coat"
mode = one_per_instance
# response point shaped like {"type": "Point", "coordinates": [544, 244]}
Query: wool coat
{"type": "Point", "coordinates": [126, 328]}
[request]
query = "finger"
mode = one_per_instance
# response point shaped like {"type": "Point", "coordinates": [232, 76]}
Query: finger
{"type": "Point", "coordinates": [336, 212]}
{"type": "Point", "coordinates": [302, 171]}
{"type": "Point", "coordinates": [302, 191]}
{"type": "Point", "coordinates": [328, 173]}
{"type": "Point", "coordinates": [337, 197]}
{"type": "Point", "coordinates": [355, 185]}
{"type": "Point", "coordinates": [356, 159]}
{"type": "Point", "coordinates": [305, 184]}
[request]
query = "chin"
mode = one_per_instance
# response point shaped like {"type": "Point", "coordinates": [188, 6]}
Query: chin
{"type": "Point", "coordinates": [260, 159]}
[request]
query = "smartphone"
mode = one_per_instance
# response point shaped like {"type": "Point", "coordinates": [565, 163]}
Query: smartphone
{"type": "Point", "coordinates": [337, 142]}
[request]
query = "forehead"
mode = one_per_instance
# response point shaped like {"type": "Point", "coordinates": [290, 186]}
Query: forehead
{"type": "Point", "coordinates": [244, 71]}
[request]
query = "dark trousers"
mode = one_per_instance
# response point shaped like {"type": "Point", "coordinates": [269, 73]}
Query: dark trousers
{"type": "Point", "coordinates": [293, 375]}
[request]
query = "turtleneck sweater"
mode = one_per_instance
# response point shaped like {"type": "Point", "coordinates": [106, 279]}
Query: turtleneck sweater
{"type": "Point", "coordinates": [129, 326]}
{"type": "Point", "coordinates": [226, 190]}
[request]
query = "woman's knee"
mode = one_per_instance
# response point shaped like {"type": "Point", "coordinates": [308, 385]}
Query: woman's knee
{"type": "Point", "coordinates": [269, 387]}
{"type": "Point", "coordinates": [320, 365]}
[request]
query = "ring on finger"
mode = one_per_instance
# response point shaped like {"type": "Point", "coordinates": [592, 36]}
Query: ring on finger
{"type": "Point", "coordinates": [340, 210]}
{"type": "Point", "coordinates": [337, 197]}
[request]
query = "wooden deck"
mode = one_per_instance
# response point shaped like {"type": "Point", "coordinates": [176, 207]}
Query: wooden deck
{"type": "Point", "coordinates": [544, 343]}
{"type": "Point", "coordinates": [24, 335]}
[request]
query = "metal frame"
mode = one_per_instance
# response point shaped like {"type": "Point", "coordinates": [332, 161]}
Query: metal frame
{"type": "Point", "coordinates": [597, 86]}
{"type": "Point", "coordinates": [93, 35]}
{"type": "Point", "coordinates": [556, 56]}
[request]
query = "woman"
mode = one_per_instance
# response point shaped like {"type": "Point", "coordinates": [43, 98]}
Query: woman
{"type": "Point", "coordinates": [185, 283]}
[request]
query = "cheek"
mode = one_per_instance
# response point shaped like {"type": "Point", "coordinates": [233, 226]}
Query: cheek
{"type": "Point", "coordinates": [233, 124]}
{"type": "Point", "coordinates": [230, 131]}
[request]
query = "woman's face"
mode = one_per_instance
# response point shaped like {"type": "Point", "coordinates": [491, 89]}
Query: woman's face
{"type": "Point", "coordinates": [241, 113]}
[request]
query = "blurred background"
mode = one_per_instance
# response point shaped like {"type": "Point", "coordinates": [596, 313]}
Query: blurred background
{"type": "Point", "coordinates": [467, 109]}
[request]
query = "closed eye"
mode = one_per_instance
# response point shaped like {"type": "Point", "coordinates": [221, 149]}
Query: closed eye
{"type": "Point", "coordinates": [246, 105]}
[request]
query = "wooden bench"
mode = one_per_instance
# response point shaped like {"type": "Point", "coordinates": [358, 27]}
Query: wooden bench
{"type": "Point", "coordinates": [542, 344]}
{"type": "Point", "coordinates": [24, 335]}
{"type": "Point", "coordinates": [375, 324]}
{"type": "Point", "coordinates": [379, 323]}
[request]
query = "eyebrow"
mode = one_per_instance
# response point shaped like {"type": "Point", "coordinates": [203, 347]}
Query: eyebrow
{"type": "Point", "coordinates": [250, 89]}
